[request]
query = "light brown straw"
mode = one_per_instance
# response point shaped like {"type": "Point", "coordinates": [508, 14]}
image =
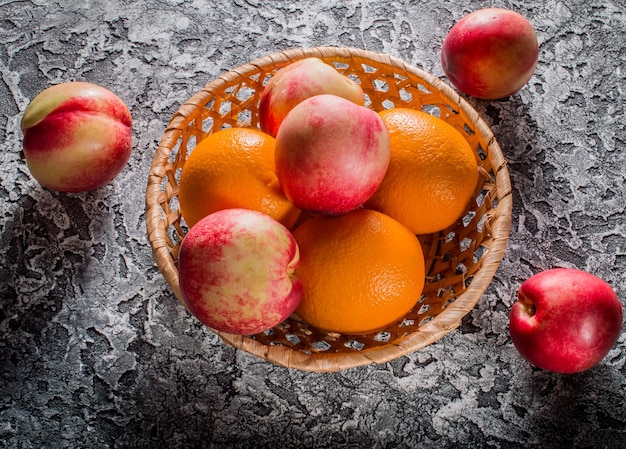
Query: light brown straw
{"type": "Point", "coordinates": [460, 261]}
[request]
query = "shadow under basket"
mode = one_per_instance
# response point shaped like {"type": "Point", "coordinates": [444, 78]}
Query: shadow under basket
{"type": "Point", "coordinates": [460, 261]}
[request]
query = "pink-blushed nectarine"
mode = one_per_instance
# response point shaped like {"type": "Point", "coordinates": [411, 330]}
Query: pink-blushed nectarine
{"type": "Point", "coordinates": [331, 154]}
{"type": "Point", "coordinates": [298, 81]}
{"type": "Point", "coordinates": [565, 320]}
{"type": "Point", "coordinates": [236, 271]}
{"type": "Point", "coordinates": [77, 136]}
{"type": "Point", "coordinates": [490, 53]}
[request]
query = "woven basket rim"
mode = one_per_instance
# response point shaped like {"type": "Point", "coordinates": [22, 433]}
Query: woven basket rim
{"type": "Point", "coordinates": [446, 321]}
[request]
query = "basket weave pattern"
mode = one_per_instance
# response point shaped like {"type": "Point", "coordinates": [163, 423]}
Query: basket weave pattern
{"type": "Point", "coordinates": [460, 261]}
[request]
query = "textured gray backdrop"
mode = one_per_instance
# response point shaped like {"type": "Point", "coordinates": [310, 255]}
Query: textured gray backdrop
{"type": "Point", "coordinates": [96, 352]}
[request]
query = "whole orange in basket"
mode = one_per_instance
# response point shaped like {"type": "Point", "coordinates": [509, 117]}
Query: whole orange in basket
{"type": "Point", "coordinates": [432, 172]}
{"type": "Point", "coordinates": [233, 168]}
{"type": "Point", "coordinates": [360, 271]}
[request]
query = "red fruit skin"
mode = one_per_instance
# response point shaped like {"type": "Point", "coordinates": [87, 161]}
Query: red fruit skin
{"type": "Point", "coordinates": [565, 320]}
{"type": "Point", "coordinates": [297, 82]}
{"type": "Point", "coordinates": [331, 154]}
{"type": "Point", "coordinates": [490, 53]}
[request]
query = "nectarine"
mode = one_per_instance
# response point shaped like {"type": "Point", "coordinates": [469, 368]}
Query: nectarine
{"type": "Point", "coordinates": [331, 154]}
{"type": "Point", "coordinates": [490, 53]}
{"type": "Point", "coordinates": [236, 271]}
{"type": "Point", "coordinates": [77, 136]}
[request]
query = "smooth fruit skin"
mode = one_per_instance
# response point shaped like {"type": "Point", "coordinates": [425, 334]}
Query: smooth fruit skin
{"type": "Point", "coordinates": [236, 271]}
{"type": "Point", "coordinates": [298, 81]}
{"type": "Point", "coordinates": [331, 154]}
{"type": "Point", "coordinates": [77, 136]}
{"type": "Point", "coordinates": [565, 320]}
{"type": "Point", "coordinates": [490, 53]}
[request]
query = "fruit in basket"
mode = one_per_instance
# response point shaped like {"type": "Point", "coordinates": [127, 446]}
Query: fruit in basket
{"type": "Point", "coordinates": [490, 53]}
{"type": "Point", "coordinates": [565, 320]}
{"type": "Point", "coordinates": [77, 136]}
{"type": "Point", "coordinates": [360, 271]}
{"type": "Point", "coordinates": [233, 168]}
{"type": "Point", "coordinates": [432, 172]}
{"type": "Point", "coordinates": [298, 81]}
{"type": "Point", "coordinates": [331, 154]}
{"type": "Point", "coordinates": [236, 271]}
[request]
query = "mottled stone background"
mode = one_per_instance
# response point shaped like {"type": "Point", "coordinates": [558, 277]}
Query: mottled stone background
{"type": "Point", "coordinates": [96, 352]}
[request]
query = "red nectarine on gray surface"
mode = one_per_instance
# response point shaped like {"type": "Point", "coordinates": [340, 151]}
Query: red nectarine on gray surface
{"type": "Point", "coordinates": [490, 53]}
{"type": "Point", "coordinates": [565, 320]}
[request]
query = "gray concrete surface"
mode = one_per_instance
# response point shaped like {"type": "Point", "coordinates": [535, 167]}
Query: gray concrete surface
{"type": "Point", "coordinates": [95, 351]}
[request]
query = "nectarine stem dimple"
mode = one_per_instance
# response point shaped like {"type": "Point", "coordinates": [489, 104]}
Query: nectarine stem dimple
{"type": "Point", "coordinates": [529, 306]}
{"type": "Point", "coordinates": [530, 309]}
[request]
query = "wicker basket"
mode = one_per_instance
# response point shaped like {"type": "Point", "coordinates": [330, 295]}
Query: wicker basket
{"type": "Point", "coordinates": [460, 261]}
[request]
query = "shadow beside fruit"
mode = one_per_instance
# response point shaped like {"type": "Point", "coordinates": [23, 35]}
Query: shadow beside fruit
{"type": "Point", "coordinates": [50, 243]}
{"type": "Point", "coordinates": [580, 410]}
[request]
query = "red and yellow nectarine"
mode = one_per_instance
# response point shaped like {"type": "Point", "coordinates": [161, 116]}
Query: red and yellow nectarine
{"type": "Point", "coordinates": [77, 136]}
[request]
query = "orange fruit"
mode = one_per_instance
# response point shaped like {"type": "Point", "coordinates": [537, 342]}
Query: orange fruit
{"type": "Point", "coordinates": [360, 271]}
{"type": "Point", "coordinates": [432, 172]}
{"type": "Point", "coordinates": [233, 168]}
